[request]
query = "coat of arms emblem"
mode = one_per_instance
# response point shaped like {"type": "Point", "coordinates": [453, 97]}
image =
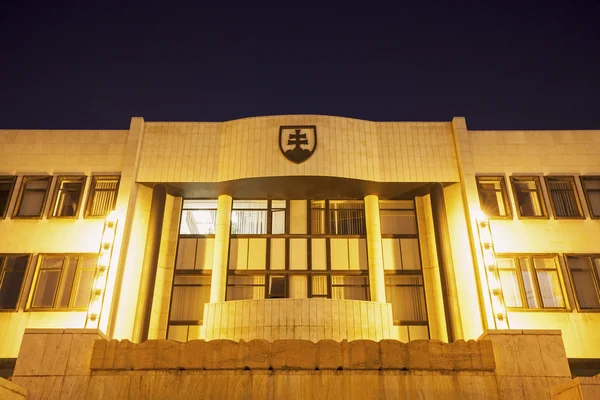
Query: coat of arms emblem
{"type": "Point", "coordinates": [298, 143]}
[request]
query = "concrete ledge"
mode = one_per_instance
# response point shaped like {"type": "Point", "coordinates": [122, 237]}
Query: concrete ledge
{"type": "Point", "coordinates": [578, 389]}
{"type": "Point", "coordinates": [293, 354]}
{"type": "Point", "coordinates": [11, 391]}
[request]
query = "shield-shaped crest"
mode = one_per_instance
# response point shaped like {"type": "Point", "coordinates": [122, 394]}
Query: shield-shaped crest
{"type": "Point", "coordinates": [298, 143]}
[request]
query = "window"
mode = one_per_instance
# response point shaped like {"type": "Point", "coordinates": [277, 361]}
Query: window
{"type": "Point", "coordinates": [528, 197]}
{"type": "Point", "coordinates": [407, 295]}
{"type": "Point", "coordinates": [7, 184]}
{"type": "Point", "coordinates": [190, 292]}
{"type": "Point", "coordinates": [531, 281]}
{"type": "Point", "coordinates": [245, 287]}
{"type": "Point", "coordinates": [492, 196]}
{"type": "Point", "coordinates": [350, 287]}
{"type": "Point", "coordinates": [32, 198]}
{"type": "Point", "coordinates": [198, 217]}
{"type": "Point", "coordinates": [585, 275]}
{"type": "Point", "coordinates": [398, 217]}
{"type": "Point", "coordinates": [12, 274]}
{"type": "Point", "coordinates": [67, 196]}
{"type": "Point", "coordinates": [63, 282]}
{"type": "Point", "coordinates": [103, 196]}
{"type": "Point", "coordinates": [591, 188]}
{"type": "Point", "coordinates": [563, 197]}
{"type": "Point", "coordinates": [337, 217]}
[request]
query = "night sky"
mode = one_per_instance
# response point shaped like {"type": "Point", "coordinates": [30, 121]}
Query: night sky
{"type": "Point", "coordinates": [501, 64]}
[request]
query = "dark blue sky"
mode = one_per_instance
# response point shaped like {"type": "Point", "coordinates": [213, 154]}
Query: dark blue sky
{"type": "Point", "coordinates": [501, 64]}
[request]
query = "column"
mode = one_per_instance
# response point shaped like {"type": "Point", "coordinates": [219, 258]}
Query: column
{"type": "Point", "coordinates": [374, 249]}
{"type": "Point", "coordinates": [155, 223]}
{"type": "Point", "coordinates": [444, 253]}
{"type": "Point", "coordinates": [218, 281]}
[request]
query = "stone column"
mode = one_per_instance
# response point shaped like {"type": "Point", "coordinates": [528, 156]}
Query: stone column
{"type": "Point", "coordinates": [155, 223]}
{"type": "Point", "coordinates": [374, 249]}
{"type": "Point", "coordinates": [218, 281]}
{"type": "Point", "coordinates": [444, 253]}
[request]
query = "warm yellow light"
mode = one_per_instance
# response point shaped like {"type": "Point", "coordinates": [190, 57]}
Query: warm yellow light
{"type": "Point", "coordinates": [480, 216]}
{"type": "Point", "coordinates": [111, 219]}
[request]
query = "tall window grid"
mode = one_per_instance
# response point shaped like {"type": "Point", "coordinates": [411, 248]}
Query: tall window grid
{"type": "Point", "coordinates": [563, 197]}
{"type": "Point", "coordinates": [103, 195]}
{"type": "Point", "coordinates": [585, 277]}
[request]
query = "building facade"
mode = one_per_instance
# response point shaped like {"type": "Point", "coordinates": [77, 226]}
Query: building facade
{"type": "Point", "coordinates": [300, 227]}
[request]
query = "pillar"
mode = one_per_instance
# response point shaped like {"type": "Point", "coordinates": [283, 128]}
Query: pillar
{"type": "Point", "coordinates": [444, 253]}
{"type": "Point", "coordinates": [374, 249]}
{"type": "Point", "coordinates": [155, 223]}
{"type": "Point", "coordinates": [218, 280]}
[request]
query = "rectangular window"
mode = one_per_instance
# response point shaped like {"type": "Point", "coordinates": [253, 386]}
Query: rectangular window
{"type": "Point", "coordinates": [407, 295]}
{"type": "Point", "coordinates": [245, 287]}
{"type": "Point", "coordinates": [67, 196]}
{"type": "Point", "coordinates": [492, 196]}
{"type": "Point", "coordinates": [249, 217]}
{"type": "Point", "coordinates": [398, 217]}
{"type": "Point", "coordinates": [350, 287]}
{"type": "Point", "coordinates": [34, 190]}
{"type": "Point", "coordinates": [528, 197]}
{"type": "Point", "coordinates": [591, 188]}
{"type": "Point", "coordinates": [12, 274]}
{"type": "Point", "coordinates": [585, 275]}
{"type": "Point", "coordinates": [103, 196]}
{"type": "Point", "coordinates": [198, 217]}
{"type": "Point", "coordinates": [337, 217]}
{"type": "Point", "coordinates": [563, 197]}
{"type": "Point", "coordinates": [190, 293]}
{"type": "Point", "coordinates": [7, 184]}
{"type": "Point", "coordinates": [63, 282]}
{"type": "Point", "coordinates": [531, 282]}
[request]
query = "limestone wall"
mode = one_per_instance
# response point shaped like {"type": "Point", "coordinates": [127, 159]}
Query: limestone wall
{"type": "Point", "coordinates": [346, 147]}
{"type": "Point", "coordinates": [65, 364]}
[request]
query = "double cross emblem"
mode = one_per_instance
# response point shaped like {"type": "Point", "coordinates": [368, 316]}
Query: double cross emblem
{"type": "Point", "coordinates": [298, 143]}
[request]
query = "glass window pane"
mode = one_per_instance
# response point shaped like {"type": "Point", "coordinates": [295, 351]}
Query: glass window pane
{"type": "Point", "coordinates": [563, 197]}
{"type": "Point", "coordinates": [510, 288]}
{"type": "Point", "coordinates": [410, 254]}
{"type": "Point", "coordinates": [68, 197]}
{"type": "Point", "coordinates": [6, 187]}
{"type": "Point", "coordinates": [277, 287]}
{"type": "Point", "coordinates": [585, 289]}
{"type": "Point", "coordinates": [346, 221]}
{"type": "Point", "coordinates": [491, 191]}
{"type": "Point", "coordinates": [204, 253]}
{"type": "Point", "coordinates": [66, 283]}
{"type": "Point", "coordinates": [278, 222]}
{"type": "Point", "coordinates": [298, 254]}
{"type": "Point", "coordinates": [545, 263]}
{"type": "Point", "coordinates": [46, 288]}
{"type": "Point", "coordinates": [396, 204]}
{"type": "Point", "coordinates": [550, 289]}
{"type": "Point", "coordinates": [317, 222]}
{"type": "Point", "coordinates": [31, 204]}
{"type": "Point", "coordinates": [298, 286]}
{"type": "Point", "coordinates": [52, 262]}
{"type": "Point", "coordinates": [248, 204]}
{"type": "Point", "coordinates": [398, 222]}
{"type": "Point", "coordinates": [12, 280]}
{"type": "Point", "coordinates": [186, 253]}
{"type": "Point", "coordinates": [250, 222]}
{"type": "Point", "coordinates": [199, 204]}
{"type": "Point", "coordinates": [319, 285]}
{"type": "Point", "coordinates": [349, 287]}
{"type": "Point", "coordinates": [257, 253]}
{"type": "Point", "coordinates": [392, 256]}
{"type": "Point", "coordinates": [277, 254]}
{"type": "Point", "coordinates": [84, 287]}
{"type": "Point", "coordinates": [188, 302]}
{"type": "Point", "coordinates": [528, 199]}
{"type": "Point", "coordinates": [198, 222]}
{"type": "Point", "coordinates": [178, 333]}
{"type": "Point", "coordinates": [532, 301]}
{"type": "Point", "coordinates": [103, 196]}
{"type": "Point", "coordinates": [407, 297]}
{"type": "Point", "coordinates": [319, 254]}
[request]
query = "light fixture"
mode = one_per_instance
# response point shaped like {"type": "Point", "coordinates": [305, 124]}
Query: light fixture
{"type": "Point", "coordinates": [101, 273]}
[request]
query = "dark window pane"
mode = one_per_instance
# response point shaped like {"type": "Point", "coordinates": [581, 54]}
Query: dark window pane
{"type": "Point", "coordinates": [591, 187]}
{"type": "Point", "coordinates": [68, 197]}
{"type": "Point", "coordinates": [46, 288]}
{"type": "Point", "coordinates": [563, 197]}
{"type": "Point", "coordinates": [6, 186]}
{"type": "Point", "coordinates": [32, 200]}
{"type": "Point", "coordinates": [407, 297]}
{"type": "Point", "coordinates": [277, 287]}
{"type": "Point", "coordinates": [528, 198]}
{"type": "Point", "coordinates": [12, 280]}
{"type": "Point", "coordinates": [66, 284]}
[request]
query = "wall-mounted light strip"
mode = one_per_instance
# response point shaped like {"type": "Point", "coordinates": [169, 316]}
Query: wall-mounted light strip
{"type": "Point", "coordinates": [492, 275]}
{"type": "Point", "coordinates": [101, 274]}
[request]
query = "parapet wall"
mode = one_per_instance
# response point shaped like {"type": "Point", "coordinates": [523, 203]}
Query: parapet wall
{"type": "Point", "coordinates": [293, 354]}
{"type": "Point", "coordinates": [71, 364]}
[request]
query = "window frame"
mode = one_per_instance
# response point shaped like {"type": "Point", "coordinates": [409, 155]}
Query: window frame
{"type": "Point", "coordinates": [571, 180]}
{"type": "Point", "coordinates": [539, 191]}
{"type": "Point", "coordinates": [55, 196]}
{"type": "Point", "coordinates": [537, 290]}
{"type": "Point", "coordinates": [74, 286]}
{"type": "Point", "coordinates": [13, 181]}
{"type": "Point", "coordinates": [2, 273]}
{"type": "Point", "coordinates": [327, 210]}
{"type": "Point", "coordinates": [582, 180]}
{"type": "Point", "coordinates": [22, 189]}
{"type": "Point", "coordinates": [92, 193]}
{"type": "Point", "coordinates": [503, 190]}
{"type": "Point", "coordinates": [269, 209]}
{"type": "Point", "coordinates": [595, 274]}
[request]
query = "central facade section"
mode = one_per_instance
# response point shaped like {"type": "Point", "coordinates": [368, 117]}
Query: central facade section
{"type": "Point", "coordinates": [299, 249]}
